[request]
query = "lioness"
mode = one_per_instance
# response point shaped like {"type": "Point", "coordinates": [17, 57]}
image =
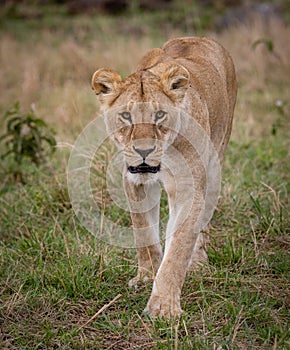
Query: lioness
{"type": "Point", "coordinates": [146, 115]}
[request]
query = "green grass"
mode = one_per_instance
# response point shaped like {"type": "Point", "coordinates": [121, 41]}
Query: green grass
{"type": "Point", "coordinates": [56, 277]}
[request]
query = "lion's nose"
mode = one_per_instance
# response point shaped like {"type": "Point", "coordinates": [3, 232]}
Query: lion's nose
{"type": "Point", "coordinates": [144, 152]}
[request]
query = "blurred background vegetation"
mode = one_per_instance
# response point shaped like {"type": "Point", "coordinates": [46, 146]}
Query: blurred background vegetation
{"type": "Point", "coordinates": [137, 17]}
{"type": "Point", "coordinates": [49, 49]}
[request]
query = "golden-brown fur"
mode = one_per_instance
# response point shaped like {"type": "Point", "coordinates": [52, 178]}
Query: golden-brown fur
{"type": "Point", "coordinates": [196, 76]}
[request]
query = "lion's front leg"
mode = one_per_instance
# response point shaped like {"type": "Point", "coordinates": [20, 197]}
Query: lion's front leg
{"type": "Point", "coordinates": [165, 297]}
{"type": "Point", "coordinates": [182, 234]}
{"type": "Point", "coordinates": [144, 204]}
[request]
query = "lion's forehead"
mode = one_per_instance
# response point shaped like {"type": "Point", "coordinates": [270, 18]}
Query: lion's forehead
{"type": "Point", "coordinates": [141, 86]}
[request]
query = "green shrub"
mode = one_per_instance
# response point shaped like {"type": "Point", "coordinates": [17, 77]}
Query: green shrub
{"type": "Point", "coordinates": [26, 137]}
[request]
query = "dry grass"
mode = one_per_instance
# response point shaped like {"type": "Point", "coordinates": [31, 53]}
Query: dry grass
{"type": "Point", "coordinates": [262, 75]}
{"type": "Point", "coordinates": [55, 74]}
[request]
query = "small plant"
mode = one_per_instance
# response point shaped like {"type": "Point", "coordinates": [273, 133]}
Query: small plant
{"type": "Point", "coordinates": [26, 137]}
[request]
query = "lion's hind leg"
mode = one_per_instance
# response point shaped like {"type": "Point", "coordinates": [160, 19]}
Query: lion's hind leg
{"type": "Point", "coordinates": [199, 256]}
{"type": "Point", "coordinates": [149, 260]}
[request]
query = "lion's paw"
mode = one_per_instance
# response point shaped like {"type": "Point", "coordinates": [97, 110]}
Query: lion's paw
{"type": "Point", "coordinates": [133, 283]}
{"type": "Point", "coordinates": [158, 306]}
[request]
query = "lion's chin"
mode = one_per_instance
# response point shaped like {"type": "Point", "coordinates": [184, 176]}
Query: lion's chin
{"type": "Point", "coordinates": [144, 168]}
{"type": "Point", "coordinates": [142, 178]}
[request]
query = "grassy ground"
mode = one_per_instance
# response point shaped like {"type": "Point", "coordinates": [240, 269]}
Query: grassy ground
{"type": "Point", "coordinates": [60, 287]}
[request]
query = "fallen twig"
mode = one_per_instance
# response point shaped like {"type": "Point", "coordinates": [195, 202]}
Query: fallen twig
{"type": "Point", "coordinates": [100, 311]}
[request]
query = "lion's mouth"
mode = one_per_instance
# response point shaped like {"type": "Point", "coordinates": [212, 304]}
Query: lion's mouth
{"type": "Point", "coordinates": [144, 168]}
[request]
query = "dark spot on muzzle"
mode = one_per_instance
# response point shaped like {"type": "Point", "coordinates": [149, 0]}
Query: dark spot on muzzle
{"type": "Point", "coordinates": [143, 168]}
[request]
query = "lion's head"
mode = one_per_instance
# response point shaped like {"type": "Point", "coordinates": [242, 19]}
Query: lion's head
{"type": "Point", "coordinates": [142, 114]}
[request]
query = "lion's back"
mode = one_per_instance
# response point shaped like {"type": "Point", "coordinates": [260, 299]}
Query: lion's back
{"type": "Point", "coordinates": [200, 54]}
{"type": "Point", "coordinates": [213, 75]}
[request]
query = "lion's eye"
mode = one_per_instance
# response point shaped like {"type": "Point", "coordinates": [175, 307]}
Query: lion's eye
{"type": "Point", "coordinates": [126, 116]}
{"type": "Point", "coordinates": [159, 115]}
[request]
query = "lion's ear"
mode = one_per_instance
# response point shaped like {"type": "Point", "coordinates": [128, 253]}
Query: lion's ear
{"type": "Point", "coordinates": [175, 81]}
{"type": "Point", "coordinates": [106, 83]}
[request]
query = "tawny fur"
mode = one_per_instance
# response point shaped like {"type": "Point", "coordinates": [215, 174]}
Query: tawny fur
{"type": "Point", "coordinates": [195, 75]}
